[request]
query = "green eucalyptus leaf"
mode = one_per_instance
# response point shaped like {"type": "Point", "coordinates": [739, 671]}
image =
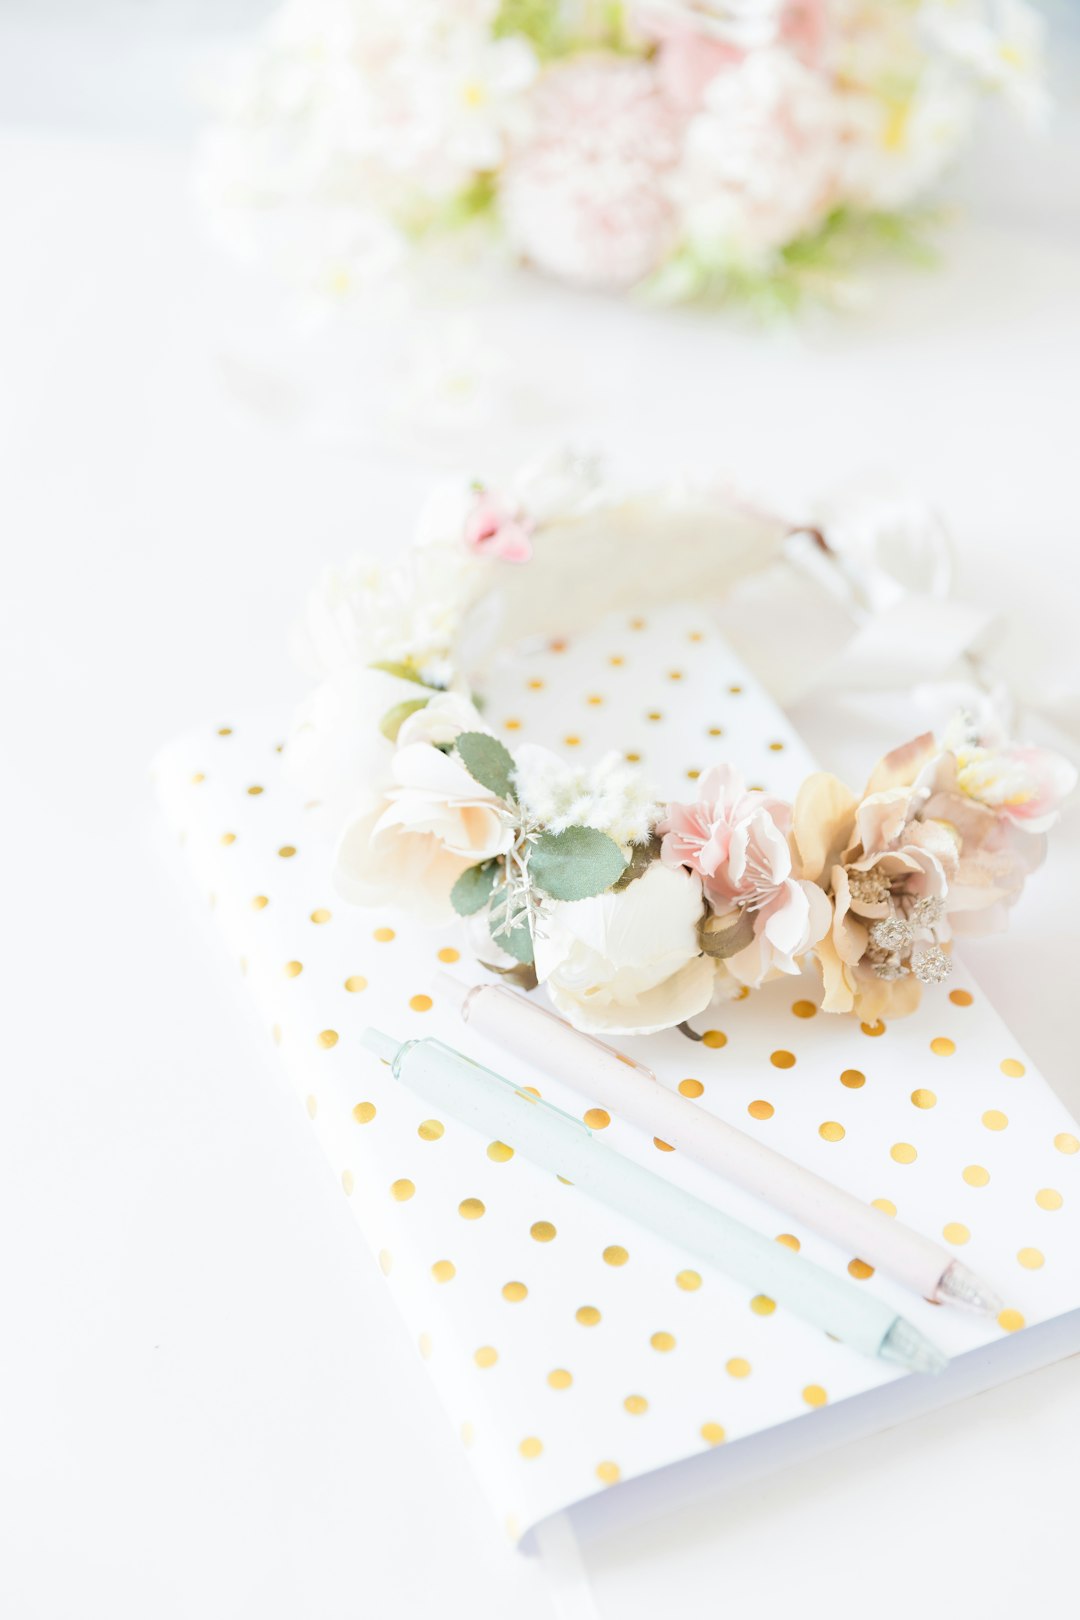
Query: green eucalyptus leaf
{"type": "Point", "coordinates": [472, 891]}
{"type": "Point", "coordinates": [576, 863]}
{"type": "Point", "coordinates": [404, 672]}
{"type": "Point", "coordinates": [487, 762]}
{"type": "Point", "coordinates": [517, 940]}
{"type": "Point", "coordinates": [393, 720]}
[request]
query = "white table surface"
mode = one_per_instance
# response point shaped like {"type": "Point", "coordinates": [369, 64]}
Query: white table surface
{"type": "Point", "coordinates": [207, 1405]}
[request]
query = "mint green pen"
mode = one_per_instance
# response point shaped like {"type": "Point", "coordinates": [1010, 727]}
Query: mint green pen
{"type": "Point", "coordinates": [558, 1141]}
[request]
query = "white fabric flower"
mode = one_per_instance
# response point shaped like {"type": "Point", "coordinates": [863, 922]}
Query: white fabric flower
{"type": "Point", "coordinates": [336, 750]}
{"type": "Point", "coordinates": [628, 962]}
{"type": "Point", "coordinates": [409, 845]}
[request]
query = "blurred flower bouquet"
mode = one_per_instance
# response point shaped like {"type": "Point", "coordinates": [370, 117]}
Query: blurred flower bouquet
{"type": "Point", "coordinates": [687, 148]}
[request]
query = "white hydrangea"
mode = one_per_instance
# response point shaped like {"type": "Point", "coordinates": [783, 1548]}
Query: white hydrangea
{"type": "Point", "coordinates": [610, 796]}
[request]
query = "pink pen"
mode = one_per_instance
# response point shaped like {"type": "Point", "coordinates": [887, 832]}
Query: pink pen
{"type": "Point", "coordinates": [633, 1092]}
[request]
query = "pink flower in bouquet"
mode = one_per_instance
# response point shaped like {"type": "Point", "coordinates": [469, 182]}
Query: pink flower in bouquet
{"type": "Point", "coordinates": [584, 198]}
{"type": "Point", "coordinates": [493, 529]}
{"type": "Point", "coordinates": [737, 843]}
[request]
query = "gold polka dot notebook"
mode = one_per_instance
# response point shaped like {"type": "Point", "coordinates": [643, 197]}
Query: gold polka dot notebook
{"type": "Point", "coordinates": [576, 1353]}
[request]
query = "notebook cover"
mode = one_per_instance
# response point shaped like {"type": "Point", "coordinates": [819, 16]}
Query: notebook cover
{"type": "Point", "coordinates": [572, 1349]}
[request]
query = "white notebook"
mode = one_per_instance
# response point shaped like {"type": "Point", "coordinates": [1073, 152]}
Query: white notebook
{"type": "Point", "coordinates": [575, 1353]}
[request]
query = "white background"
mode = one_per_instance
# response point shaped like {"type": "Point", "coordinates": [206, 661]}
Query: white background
{"type": "Point", "coordinates": [207, 1406]}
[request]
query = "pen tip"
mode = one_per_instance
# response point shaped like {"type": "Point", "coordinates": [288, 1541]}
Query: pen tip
{"type": "Point", "coordinates": [960, 1286]}
{"type": "Point", "coordinates": [911, 1349]}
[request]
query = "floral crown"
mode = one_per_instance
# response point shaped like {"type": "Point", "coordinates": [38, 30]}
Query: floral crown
{"type": "Point", "coordinates": [635, 912]}
{"type": "Point", "coordinates": [693, 148]}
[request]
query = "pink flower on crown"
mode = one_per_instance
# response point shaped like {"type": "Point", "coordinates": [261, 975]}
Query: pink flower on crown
{"type": "Point", "coordinates": [737, 842]}
{"type": "Point", "coordinates": [494, 529]}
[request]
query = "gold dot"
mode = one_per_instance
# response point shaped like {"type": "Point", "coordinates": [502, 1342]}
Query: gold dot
{"type": "Point", "coordinates": [293, 969]}
{"type": "Point", "coordinates": [616, 1255]}
{"type": "Point", "coordinates": [287, 851]}
{"type": "Point", "coordinates": [572, 741]}
{"type": "Point", "coordinates": [737, 1367]}
{"type": "Point", "coordinates": [386, 1262]}
{"type": "Point", "coordinates": [1011, 1321]}
{"type": "Point", "coordinates": [663, 1342]}
{"type": "Point", "coordinates": [814, 1395]}
{"type": "Point", "coordinates": [275, 1032]}
{"type": "Point", "coordinates": [789, 1241]}
{"type": "Point", "coordinates": [559, 1378]}
{"type": "Point", "coordinates": [587, 1315]}
{"type": "Point", "coordinates": [976, 1176]}
{"type": "Point", "coordinates": [688, 1280]}
{"type": "Point", "coordinates": [941, 1046]}
{"type": "Point", "coordinates": [328, 1038]}
{"type": "Point", "coordinates": [312, 1106]}
{"type": "Point", "coordinates": [633, 758]}
{"type": "Point", "coordinates": [903, 1153]}
{"type": "Point", "coordinates": [1066, 1142]}
{"type": "Point", "coordinates": [876, 1028]}
{"type": "Point", "coordinates": [597, 1119]}
{"type": "Point", "coordinates": [224, 731]}
{"type": "Point", "coordinates": [486, 1356]}
{"type": "Point", "coordinates": [716, 731]}
{"type": "Point", "coordinates": [420, 1003]}
{"type": "Point", "coordinates": [735, 690]}
{"type": "Point", "coordinates": [693, 773]}
{"type": "Point", "coordinates": [444, 1271]}
{"type": "Point", "coordinates": [675, 674]}
{"type": "Point", "coordinates": [636, 1405]}
{"type": "Point", "coordinates": [558, 644]}
{"type": "Point", "coordinates": [430, 1130]}
{"type": "Point", "coordinates": [321, 915]}
{"type": "Point", "coordinates": [886, 1205]}
{"type": "Point", "coordinates": [1013, 1068]}
{"type": "Point", "coordinates": [637, 624]}
{"type": "Point", "coordinates": [228, 838]}
{"type": "Point", "coordinates": [383, 935]}
{"type": "Point", "coordinates": [782, 1060]}
{"type": "Point", "coordinates": [761, 1109]}
{"type": "Point", "coordinates": [859, 1270]}
{"type": "Point", "coordinates": [713, 1433]}
{"type": "Point", "coordinates": [714, 1038]}
{"type": "Point", "coordinates": [515, 1292]}
{"type": "Point", "coordinates": [831, 1131]}
{"type": "Point", "coordinates": [531, 1090]}
{"type": "Point", "coordinates": [804, 1009]}
{"type": "Point", "coordinates": [355, 982]}
{"type": "Point", "coordinates": [542, 1231]}
{"type": "Point", "coordinates": [531, 1447]}
{"type": "Point", "coordinates": [499, 1152]}
{"type": "Point", "coordinates": [471, 1209]}
{"type": "Point", "coordinates": [402, 1189]}
{"type": "Point", "coordinates": [449, 954]}
{"type": "Point", "coordinates": [762, 1305]}
{"type": "Point", "coordinates": [594, 700]}
{"type": "Point", "coordinates": [1031, 1259]}
{"type": "Point", "coordinates": [364, 1113]}
{"type": "Point", "coordinates": [1049, 1198]}
{"type": "Point", "coordinates": [616, 660]}
{"type": "Point", "coordinates": [691, 1088]}
{"type": "Point", "coordinates": [468, 1435]}
{"type": "Point", "coordinates": [955, 1232]}
{"type": "Point", "coordinates": [347, 1183]}
{"type": "Point", "coordinates": [853, 1079]}
{"type": "Point", "coordinates": [665, 1147]}
{"type": "Point", "coordinates": [260, 902]}
{"type": "Point", "coordinates": [654, 714]}
{"type": "Point", "coordinates": [512, 725]}
{"type": "Point", "coordinates": [961, 998]}
{"type": "Point", "coordinates": [608, 1473]}
{"type": "Point", "coordinates": [254, 791]}
{"type": "Point", "coordinates": [923, 1098]}
{"type": "Point", "coordinates": [536, 685]}
{"type": "Point", "coordinates": [995, 1120]}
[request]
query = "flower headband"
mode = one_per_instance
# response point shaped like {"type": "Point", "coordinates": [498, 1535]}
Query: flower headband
{"type": "Point", "coordinates": [635, 912]}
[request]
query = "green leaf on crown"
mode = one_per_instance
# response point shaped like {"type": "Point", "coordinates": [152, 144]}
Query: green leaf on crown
{"type": "Point", "coordinates": [575, 864]}
{"type": "Point", "coordinates": [404, 672]}
{"type": "Point", "coordinates": [517, 940]}
{"type": "Point", "coordinates": [393, 720]}
{"type": "Point", "coordinates": [487, 762]}
{"type": "Point", "coordinates": [472, 891]}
